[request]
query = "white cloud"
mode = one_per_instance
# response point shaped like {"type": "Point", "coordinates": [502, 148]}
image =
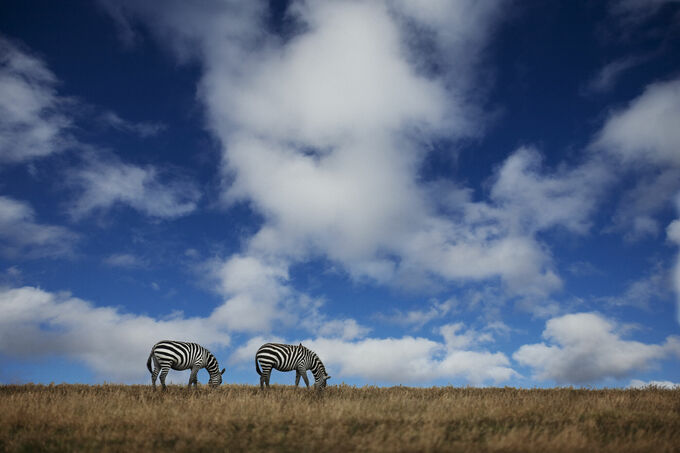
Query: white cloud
{"type": "Point", "coordinates": [645, 131]}
{"type": "Point", "coordinates": [345, 78]}
{"type": "Point", "coordinates": [641, 293]}
{"type": "Point", "coordinates": [124, 260]}
{"type": "Point", "coordinates": [418, 318]}
{"type": "Point", "coordinates": [637, 10]}
{"type": "Point", "coordinates": [411, 359]}
{"type": "Point", "coordinates": [258, 297]}
{"type": "Point", "coordinates": [114, 344]}
{"type": "Point", "coordinates": [104, 181]}
{"type": "Point", "coordinates": [533, 199]}
{"type": "Point", "coordinates": [455, 338]}
{"type": "Point", "coordinates": [646, 140]}
{"type": "Point", "coordinates": [609, 74]}
{"type": "Point", "coordinates": [324, 133]}
{"type": "Point", "coordinates": [586, 347]}
{"type": "Point", "coordinates": [345, 329]}
{"type": "Point", "coordinates": [256, 293]}
{"type": "Point", "coordinates": [143, 129]}
{"type": "Point", "coordinates": [638, 384]}
{"type": "Point", "coordinates": [32, 121]}
{"type": "Point", "coordinates": [22, 236]}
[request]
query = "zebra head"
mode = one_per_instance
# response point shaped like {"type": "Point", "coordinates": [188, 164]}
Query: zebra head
{"type": "Point", "coordinates": [216, 378]}
{"type": "Point", "coordinates": [320, 382]}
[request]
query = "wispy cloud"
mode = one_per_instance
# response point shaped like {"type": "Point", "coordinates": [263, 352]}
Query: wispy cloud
{"type": "Point", "coordinates": [633, 11]}
{"type": "Point", "coordinates": [143, 129]}
{"type": "Point", "coordinates": [643, 292]}
{"type": "Point", "coordinates": [33, 122]}
{"type": "Point", "coordinates": [416, 319]}
{"type": "Point", "coordinates": [607, 77]}
{"type": "Point", "coordinates": [21, 236]}
{"type": "Point", "coordinates": [104, 181]}
{"type": "Point", "coordinates": [126, 260]}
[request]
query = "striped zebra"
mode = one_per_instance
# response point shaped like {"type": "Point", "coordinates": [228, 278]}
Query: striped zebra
{"type": "Point", "coordinates": [180, 355]}
{"type": "Point", "coordinates": [287, 357]}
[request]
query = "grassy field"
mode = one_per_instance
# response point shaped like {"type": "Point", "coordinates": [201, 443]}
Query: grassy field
{"type": "Point", "coordinates": [343, 418]}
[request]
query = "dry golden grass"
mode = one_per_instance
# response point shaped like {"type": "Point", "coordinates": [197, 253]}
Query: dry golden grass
{"type": "Point", "coordinates": [343, 418]}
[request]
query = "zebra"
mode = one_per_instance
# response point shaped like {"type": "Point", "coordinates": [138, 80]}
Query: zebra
{"type": "Point", "coordinates": [287, 357]}
{"type": "Point", "coordinates": [180, 355]}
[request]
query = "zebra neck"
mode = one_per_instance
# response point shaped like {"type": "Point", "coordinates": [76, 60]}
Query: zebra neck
{"type": "Point", "coordinates": [319, 371]}
{"type": "Point", "coordinates": [211, 366]}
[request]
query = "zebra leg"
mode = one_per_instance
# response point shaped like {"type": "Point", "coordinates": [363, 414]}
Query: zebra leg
{"type": "Point", "coordinates": [297, 378]}
{"type": "Point", "coordinates": [264, 377]}
{"type": "Point", "coordinates": [154, 375]}
{"type": "Point", "coordinates": [193, 379]}
{"type": "Point", "coordinates": [164, 372]}
{"type": "Point", "coordinates": [304, 376]}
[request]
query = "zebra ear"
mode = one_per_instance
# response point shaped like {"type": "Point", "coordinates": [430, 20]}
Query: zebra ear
{"type": "Point", "coordinates": [223, 370]}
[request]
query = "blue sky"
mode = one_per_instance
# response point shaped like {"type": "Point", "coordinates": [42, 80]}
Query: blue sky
{"type": "Point", "coordinates": [425, 193]}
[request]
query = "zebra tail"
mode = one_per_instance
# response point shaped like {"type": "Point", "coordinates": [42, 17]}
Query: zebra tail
{"type": "Point", "coordinates": [257, 367]}
{"type": "Point", "coordinates": [148, 362]}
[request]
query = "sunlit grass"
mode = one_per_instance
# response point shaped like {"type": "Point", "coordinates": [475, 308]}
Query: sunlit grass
{"type": "Point", "coordinates": [342, 418]}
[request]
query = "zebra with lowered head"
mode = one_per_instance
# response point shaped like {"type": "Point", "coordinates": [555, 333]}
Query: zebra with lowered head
{"type": "Point", "coordinates": [180, 355]}
{"type": "Point", "coordinates": [288, 357]}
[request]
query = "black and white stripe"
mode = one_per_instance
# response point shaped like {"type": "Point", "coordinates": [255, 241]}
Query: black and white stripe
{"type": "Point", "coordinates": [180, 355]}
{"type": "Point", "coordinates": [287, 357]}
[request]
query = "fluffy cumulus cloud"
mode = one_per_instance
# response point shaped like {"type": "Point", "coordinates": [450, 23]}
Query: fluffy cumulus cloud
{"type": "Point", "coordinates": [103, 181]}
{"type": "Point", "coordinates": [645, 132]}
{"type": "Point", "coordinates": [258, 297]}
{"type": "Point", "coordinates": [32, 119]}
{"type": "Point", "coordinates": [324, 133]}
{"type": "Point", "coordinates": [586, 347]}
{"type": "Point", "coordinates": [114, 344]}
{"type": "Point", "coordinates": [416, 359]}
{"type": "Point", "coordinates": [256, 293]}
{"type": "Point", "coordinates": [21, 236]}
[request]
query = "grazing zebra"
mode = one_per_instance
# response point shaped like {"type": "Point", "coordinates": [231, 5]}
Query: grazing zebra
{"type": "Point", "coordinates": [180, 355]}
{"type": "Point", "coordinates": [287, 357]}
